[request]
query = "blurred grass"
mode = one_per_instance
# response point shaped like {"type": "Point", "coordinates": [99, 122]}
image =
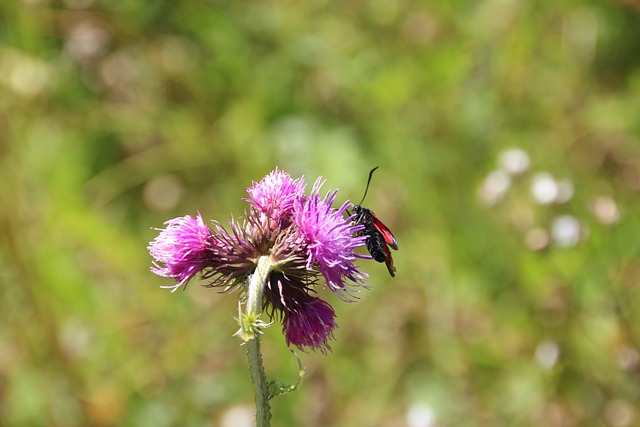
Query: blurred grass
{"type": "Point", "coordinates": [116, 116]}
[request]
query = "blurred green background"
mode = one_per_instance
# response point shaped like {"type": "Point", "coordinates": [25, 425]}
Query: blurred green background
{"type": "Point", "coordinates": [508, 139]}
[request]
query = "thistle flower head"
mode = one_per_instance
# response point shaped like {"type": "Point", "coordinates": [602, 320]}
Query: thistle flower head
{"type": "Point", "coordinates": [182, 249]}
{"type": "Point", "coordinates": [329, 239]}
{"type": "Point", "coordinates": [311, 326]}
{"type": "Point", "coordinates": [304, 237]}
{"type": "Point", "coordinates": [275, 196]}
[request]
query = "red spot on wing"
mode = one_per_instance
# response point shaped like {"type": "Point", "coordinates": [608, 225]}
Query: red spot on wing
{"type": "Point", "coordinates": [386, 233]}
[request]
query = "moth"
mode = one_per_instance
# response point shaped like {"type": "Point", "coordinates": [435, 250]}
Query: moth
{"type": "Point", "coordinates": [379, 237]}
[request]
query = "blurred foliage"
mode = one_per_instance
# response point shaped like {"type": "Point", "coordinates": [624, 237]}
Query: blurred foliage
{"type": "Point", "coordinates": [508, 139]}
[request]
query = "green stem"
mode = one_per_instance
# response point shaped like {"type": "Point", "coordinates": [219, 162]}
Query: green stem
{"type": "Point", "coordinates": [252, 330]}
{"type": "Point", "coordinates": [263, 409]}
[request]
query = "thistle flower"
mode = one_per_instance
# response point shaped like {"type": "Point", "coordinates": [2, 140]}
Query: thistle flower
{"type": "Point", "coordinates": [275, 195]}
{"type": "Point", "coordinates": [304, 238]}
{"type": "Point", "coordinates": [329, 239]}
{"type": "Point", "coordinates": [311, 326]}
{"type": "Point", "coordinates": [184, 247]}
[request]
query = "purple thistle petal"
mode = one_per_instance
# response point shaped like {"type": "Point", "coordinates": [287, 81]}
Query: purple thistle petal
{"type": "Point", "coordinates": [307, 321]}
{"type": "Point", "coordinates": [311, 325]}
{"type": "Point", "coordinates": [275, 196]}
{"type": "Point", "coordinates": [330, 239]}
{"type": "Point", "coordinates": [184, 247]}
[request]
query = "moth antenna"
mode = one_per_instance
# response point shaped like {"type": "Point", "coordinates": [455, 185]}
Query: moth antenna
{"type": "Point", "coordinates": [367, 187]}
